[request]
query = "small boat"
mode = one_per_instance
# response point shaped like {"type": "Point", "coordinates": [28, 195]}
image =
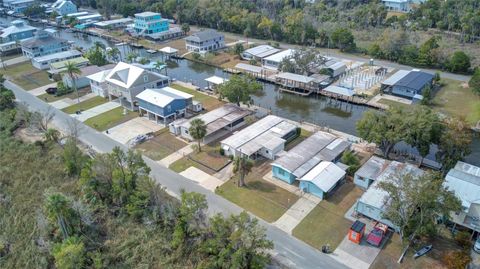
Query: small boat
{"type": "Point", "coordinates": [151, 51]}
{"type": "Point", "coordinates": [422, 251]}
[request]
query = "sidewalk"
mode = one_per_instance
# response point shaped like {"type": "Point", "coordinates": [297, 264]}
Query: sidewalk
{"type": "Point", "coordinates": [296, 213]}
{"type": "Point", "coordinates": [203, 179]}
{"type": "Point", "coordinates": [92, 112]}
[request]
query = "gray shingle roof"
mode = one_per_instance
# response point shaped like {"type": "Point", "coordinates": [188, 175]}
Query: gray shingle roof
{"type": "Point", "coordinates": [204, 36]}
{"type": "Point", "coordinates": [415, 80]}
{"type": "Point", "coordinates": [42, 38]}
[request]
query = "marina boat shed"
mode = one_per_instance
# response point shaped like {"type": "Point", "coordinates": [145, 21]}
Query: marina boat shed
{"type": "Point", "coordinates": [408, 84]}
{"type": "Point", "coordinates": [43, 62]}
{"type": "Point", "coordinates": [322, 179]}
{"type": "Point", "coordinates": [163, 105]}
{"type": "Point", "coordinates": [298, 161]}
{"type": "Point", "coordinates": [370, 171]}
{"type": "Point", "coordinates": [295, 81]}
{"type": "Point", "coordinates": [259, 52]}
{"type": "Point", "coordinates": [90, 18]}
{"type": "Point", "coordinates": [169, 52]}
{"type": "Point", "coordinates": [464, 181]}
{"type": "Point", "coordinates": [219, 122]}
{"type": "Point", "coordinates": [266, 137]}
{"type": "Point", "coordinates": [214, 81]}
{"type": "Point", "coordinates": [374, 201]}
{"type": "Point", "coordinates": [273, 61]}
{"type": "Point", "coordinates": [113, 24]}
{"type": "Point", "coordinates": [339, 91]}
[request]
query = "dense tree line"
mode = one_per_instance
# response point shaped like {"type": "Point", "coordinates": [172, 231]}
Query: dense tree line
{"type": "Point", "coordinates": [61, 208]}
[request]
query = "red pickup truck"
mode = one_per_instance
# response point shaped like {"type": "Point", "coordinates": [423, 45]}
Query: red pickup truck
{"type": "Point", "coordinates": [375, 237]}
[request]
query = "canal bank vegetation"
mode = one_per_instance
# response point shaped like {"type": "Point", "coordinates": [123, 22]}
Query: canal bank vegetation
{"type": "Point", "coordinates": [60, 208]}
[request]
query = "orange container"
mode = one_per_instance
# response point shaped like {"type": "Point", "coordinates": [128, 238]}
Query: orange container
{"type": "Point", "coordinates": [356, 232]}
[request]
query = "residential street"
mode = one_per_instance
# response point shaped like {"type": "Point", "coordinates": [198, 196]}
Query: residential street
{"type": "Point", "coordinates": [288, 250]}
{"type": "Point", "coordinates": [352, 57]}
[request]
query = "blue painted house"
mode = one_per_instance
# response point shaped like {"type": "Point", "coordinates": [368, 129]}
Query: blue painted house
{"type": "Point", "coordinates": [322, 179]}
{"type": "Point", "coordinates": [369, 172]}
{"type": "Point", "coordinates": [163, 105]}
{"type": "Point", "coordinates": [408, 84]}
{"type": "Point", "coordinates": [297, 162]}
{"type": "Point", "coordinates": [150, 23]}
{"type": "Point", "coordinates": [43, 44]}
{"type": "Point", "coordinates": [19, 30]}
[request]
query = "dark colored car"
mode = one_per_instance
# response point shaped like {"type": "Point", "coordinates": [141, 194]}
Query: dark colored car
{"type": "Point", "coordinates": [376, 236]}
{"type": "Point", "coordinates": [51, 90]}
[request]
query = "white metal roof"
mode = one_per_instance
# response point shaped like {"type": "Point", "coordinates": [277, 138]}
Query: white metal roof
{"type": "Point", "coordinates": [146, 14]}
{"type": "Point", "coordinates": [99, 76]}
{"type": "Point", "coordinates": [249, 67]}
{"type": "Point", "coordinates": [278, 57]}
{"type": "Point", "coordinates": [395, 77]}
{"type": "Point", "coordinates": [77, 14]}
{"type": "Point", "coordinates": [162, 97]}
{"type": "Point", "coordinates": [339, 90]}
{"type": "Point", "coordinates": [91, 16]}
{"type": "Point", "coordinates": [262, 51]}
{"type": "Point", "coordinates": [168, 50]}
{"type": "Point", "coordinates": [58, 55]}
{"type": "Point", "coordinates": [464, 180]}
{"type": "Point", "coordinates": [216, 80]}
{"type": "Point", "coordinates": [112, 22]}
{"type": "Point", "coordinates": [124, 74]}
{"type": "Point", "coordinates": [325, 175]}
{"type": "Point", "coordinates": [295, 77]}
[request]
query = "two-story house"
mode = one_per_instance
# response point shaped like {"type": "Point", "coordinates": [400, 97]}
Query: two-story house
{"type": "Point", "coordinates": [464, 181]}
{"type": "Point", "coordinates": [147, 23]}
{"type": "Point", "coordinates": [64, 7]}
{"type": "Point", "coordinates": [19, 30]}
{"type": "Point", "coordinates": [18, 6]}
{"type": "Point", "coordinates": [43, 44]}
{"type": "Point", "coordinates": [204, 41]}
{"type": "Point", "coordinates": [126, 81]}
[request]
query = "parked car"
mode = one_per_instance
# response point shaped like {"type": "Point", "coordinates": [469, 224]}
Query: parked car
{"type": "Point", "coordinates": [375, 237]}
{"type": "Point", "coordinates": [51, 90]}
{"type": "Point", "coordinates": [476, 246]}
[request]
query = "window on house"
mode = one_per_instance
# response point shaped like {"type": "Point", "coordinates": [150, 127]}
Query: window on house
{"type": "Point", "coordinates": [281, 172]}
{"type": "Point", "coordinates": [145, 78]}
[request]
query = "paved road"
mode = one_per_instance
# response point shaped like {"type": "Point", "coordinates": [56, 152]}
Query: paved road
{"type": "Point", "coordinates": [352, 57]}
{"type": "Point", "coordinates": [288, 250]}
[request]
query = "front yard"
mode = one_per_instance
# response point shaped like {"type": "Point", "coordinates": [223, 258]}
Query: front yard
{"type": "Point", "coordinates": [110, 119]}
{"type": "Point", "coordinates": [49, 98]}
{"type": "Point", "coordinates": [85, 105]}
{"type": "Point", "coordinates": [326, 223]}
{"type": "Point", "coordinates": [26, 76]}
{"type": "Point", "coordinates": [210, 156]}
{"type": "Point", "coordinates": [260, 197]}
{"type": "Point", "coordinates": [161, 145]}
{"type": "Point", "coordinates": [208, 102]}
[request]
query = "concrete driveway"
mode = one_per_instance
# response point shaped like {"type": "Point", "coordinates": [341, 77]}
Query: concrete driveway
{"type": "Point", "coordinates": [41, 90]}
{"type": "Point", "coordinates": [92, 112]}
{"type": "Point", "coordinates": [126, 131]}
{"type": "Point", "coordinates": [359, 256]}
{"type": "Point", "coordinates": [295, 214]}
{"type": "Point", "coordinates": [205, 180]}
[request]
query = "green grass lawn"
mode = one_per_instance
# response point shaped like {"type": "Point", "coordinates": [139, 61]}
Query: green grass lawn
{"type": "Point", "coordinates": [304, 134]}
{"type": "Point", "coordinates": [326, 223]}
{"type": "Point", "coordinates": [85, 105]}
{"type": "Point", "coordinates": [12, 56]}
{"type": "Point", "coordinates": [455, 100]}
{"type": "Point", "coordinates": [72, 95]}
{"type": "Point", "coordinates": [184, 163]}
{"type": "Point", "coordinates": [210, 156]}
{"type": "Point", "coordinates": [260, 197]}
{"type": "Point", "coordinates": [110, 119]}
{"type": "Point", "coordinates": [160, 146]}
{"type": "Point", "coordinates": [390, 103]}
{"type": "Point", "coordinates": [26, 76]}
{"type": "Point", "coordinates": [208, 102]}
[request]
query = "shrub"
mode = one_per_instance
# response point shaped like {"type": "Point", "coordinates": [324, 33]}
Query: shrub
{"type": "Point", "coordinates": [463, 239]}
{"type": "Point", "coordinates": [222, 151]}
{"type": "Point", "coordinates": [456, 259]}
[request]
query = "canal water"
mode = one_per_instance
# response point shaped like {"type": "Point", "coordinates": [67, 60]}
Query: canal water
{"type": "Point", "coordinates": [338, 115]}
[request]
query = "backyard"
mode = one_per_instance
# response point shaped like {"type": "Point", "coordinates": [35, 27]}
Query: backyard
{"type": "Point", "coordinates": [260, 197]}
{"type": "Point", "coordinates": [26, 76]}
{"type": "Point", "coordinates": [110, 118]}
{"type": "Point", "coordinates": [456, 99]}
{"type": "Point", "coordinates": [326, 223]}
{"type": "Point", "coordinates": [208, 102]}
{"type": "Point", "coordinates": [85, 105]}
{"type": "Point", "coordinates": [161, 145]}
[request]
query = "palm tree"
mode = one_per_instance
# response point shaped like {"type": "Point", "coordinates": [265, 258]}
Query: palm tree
{"type": "Point", "coordinates": [114, 54]}
{"type": "Point", "coordinates": [197, 131]}
{"type": "Point", "coordinates": [131, 57]}
{"type": "Point", "coordinates": [158, 65]}
{"type": "Point", "coordinates": [242, 165]}
{"type": "Point", "coordinates": [57, 208]}
{"type": "Point", "coordinates": [73, 71]}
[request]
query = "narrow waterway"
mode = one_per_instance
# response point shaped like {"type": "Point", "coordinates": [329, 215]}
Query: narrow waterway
{"type": "Point", "coordinates": [320, 110]}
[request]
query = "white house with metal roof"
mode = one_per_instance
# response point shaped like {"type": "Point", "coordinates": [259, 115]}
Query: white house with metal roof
{"type": "Point", "coordinates": [163, 105]}
{"type": "Point", "coordinates": [298, 161]}
{"type": "Point", "coordinates": [219, 122]}
{"type": "Point", "coordinates": [126, 81]}
{"type": "Point", "coordinates": [464, 181]}
{"type": "Point", "coordinates": [43, 62]}
{"type": "Point", "coordinates": [375, 201]}
{"type": "Point", "coordinates": [113, 24]}
{"type": "Point", "coordinates": [266, 137]}
{"type": "Point", "coordinates": [259, 52]}
{"type": "Point", "coordinates": [98, 83]}
{"type": "Point", "coordinates": [204, 41]}
{"type": "Point", "coordinates": [322, 179]}
{"type": "Point", "coordinates": [273, 61]}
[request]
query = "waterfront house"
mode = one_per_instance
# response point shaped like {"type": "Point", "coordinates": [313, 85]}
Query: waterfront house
{"type": "Point", "coordinates": [205, 41]}
{"type": "Point", "coordinates": [408, 84]}
{"type": "Point", "coordinates": [150, 23]}
{"type": "Point", "coordinates": [57, 68]}
{"type": "Point", "coordinates": [397, 5]}
{"type": "Point", "coordinates": [273, 61]}
{"type": "Point", "coordinates": [298, 161]}
{"type": "Point", "coordinates": [82, 79]}
{"type": "Point", "coordinates": [374, 201]}
{"type": "Point", "coordinates": [259, 52]}
{"type": "Point", "coordinates": [464, 181]}
{"type": "Point", "coordinates": [43, 62]}
{"type": "Point", "coordinates": [163, 105]}
{"type": "Point", "coordinates": [18, 31]}
{"type": "Point", "coordinates": [126, 81]}
{"type": "Point", "coordinates": [97, 81]}
{"type": "Point", "coordinates": [18, 6]}
{"type": "Point", "coordinates": [89, 19]}
{"type": "Point", "coordinates": [370, 171]}
{"type": "Point", "coordinates": [266, 137]}
{"type": "Point", "coordinates": [113, 24]}
{"type": "Point", "coordinates": [63, 7]}
{"type": "Point", "coordinates": [43, 44]}
{"type": "Point", "coordinates": [322, 179]}
{"type": "Point", "coordinates": [220, 122]}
